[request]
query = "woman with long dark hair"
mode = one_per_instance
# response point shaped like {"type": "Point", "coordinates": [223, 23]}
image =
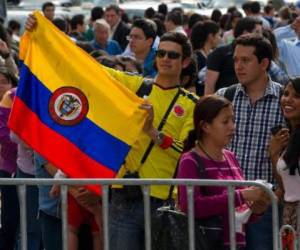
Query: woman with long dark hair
{"type": "Point", "coordinates": [213, 129]}
{"type": "Point", "coordinates": [285, 152]}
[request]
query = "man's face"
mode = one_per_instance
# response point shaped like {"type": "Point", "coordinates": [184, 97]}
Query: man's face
{"type": "Point", "coordinates": [101, 34]}
{"type": "Point", "coordinates": [169, 66]}
{"type": "Point", "coordinates": [296, 26]}
{"type": "Point", "coordinates": [49, 12]}
{"type": "Point", "coordinates": [247, 68]}
{"type": "Point", "coordinates": [138, 42]}
{"type": "Point", "coordinates": [111, 17]}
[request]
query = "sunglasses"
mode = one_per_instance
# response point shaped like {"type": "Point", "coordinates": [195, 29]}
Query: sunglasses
{"type": "Point", "coordinates": [161, 53]}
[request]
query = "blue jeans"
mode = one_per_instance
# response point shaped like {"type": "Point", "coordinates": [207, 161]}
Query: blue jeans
{"type": "Point", "coordinates": [51, 231]}
{"type": "Point", "coordinates": [259, 234]}
{"type": "Point", "coordinates": [34, 233]}
{"type": "Point", "coordinates": [126, 223]}
{"type": "Point", "coordinates": [9, 215]}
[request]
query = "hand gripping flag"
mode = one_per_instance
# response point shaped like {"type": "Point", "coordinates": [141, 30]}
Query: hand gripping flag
{"type": "Point", "coordinates": [69, 109]}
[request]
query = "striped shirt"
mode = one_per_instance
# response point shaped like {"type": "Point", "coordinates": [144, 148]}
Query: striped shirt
{"type": "Point", "coordinates": [253, 130]}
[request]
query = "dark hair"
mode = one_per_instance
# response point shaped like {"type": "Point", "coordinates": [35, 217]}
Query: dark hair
{"type": "Point", "coordinates": [247, 6]}
{"type": "Point", "coordinates": [180, 39]}
{"type": "Point", "coordinates": [216, 15]}
{"type": "Point", "coordinates": [194, 18]}
{"type": "Point", "coordinates": [114, 8]}
{"type": "Point", "coordinates": [163, 9]}
{"type": "Point", "coordinates": [232, 9]}
{"type": "Point", "coordinates": [147, 26]}
{"type": "Point", "coordinates": [14, 25]}
{"type": "Point", "coordinates": [160, 26]}
{"type": "Point", "coordinates": [255, 7]}
{"type": "Point", "coordinates": [246, 24]}
{"type": "Point", "coordinates": [268, 8]}
{"type": "Point", "coordinates": [149, 13]}
{"type": "Point", "coordinates": [206, 110]}
{"type": "Point", "coordinates": [85, 46]}
{"type": "Point", "coordinates": [97, 13]}
{"type": "Point", "coordinates": [190, 71]}
{"type": "Point", "coordinates": [292, 153]}
{"type": "Point", "coordinates": [263, 48]}
{"type": "Point", "coordinates": [76, 20]}
{"type": "Point", "coordinates": [47, 4]}
{"type": "Point", "coordinates": [124, 60]}
{"type": "Point", "coordinates": [234, 14]}
{"type": "Point", "coordinates": [285, 13]}
{"type": "Point", "coordinates": [267, 33]}
{"type": "Point", "coordinates": [175, 17]}
{"type": "Point", "coordinates": [12, 78]}
{"type": "Point", "coordinates": [61, 24]}
{"type": "Point", "coordinates": [225, 21]}
{"type": "Point", "coordinates": [201, 31]}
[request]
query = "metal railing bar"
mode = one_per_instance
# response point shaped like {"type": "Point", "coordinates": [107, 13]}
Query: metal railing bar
{"type": "Point", "coordinates": [191, 217]}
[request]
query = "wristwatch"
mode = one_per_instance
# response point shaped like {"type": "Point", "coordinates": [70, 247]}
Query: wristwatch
{"type": "Point", "coordinates": [159, 138]}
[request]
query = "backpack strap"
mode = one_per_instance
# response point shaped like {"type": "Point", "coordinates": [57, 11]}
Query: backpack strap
{"type": "Point", "coordinates": [230, 92]}
{"type": "Point", "coordinates": [145, 88]}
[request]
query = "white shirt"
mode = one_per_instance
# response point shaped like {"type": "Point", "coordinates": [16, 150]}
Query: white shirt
{"type": "Point", "coordinates": [291, 183]}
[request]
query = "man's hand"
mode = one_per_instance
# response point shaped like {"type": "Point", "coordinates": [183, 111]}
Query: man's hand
{"type": "Point", "coordinates": [31, 22]}
{"type": "Point", "coordinates": [84, 197]}
{"type": "Point", "coordinates": [148, 125]}
{"type": "Point", "coordinates": [55, 191]}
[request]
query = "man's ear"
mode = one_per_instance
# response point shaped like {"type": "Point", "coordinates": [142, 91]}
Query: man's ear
{"type": "Point", "coordinates": [186, 62]}
{"type": "Point", "coordinates": [265, 62]}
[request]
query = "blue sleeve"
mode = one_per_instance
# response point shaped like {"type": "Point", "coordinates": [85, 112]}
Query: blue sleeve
{"type": "Point", "coordinates": [39, 160]}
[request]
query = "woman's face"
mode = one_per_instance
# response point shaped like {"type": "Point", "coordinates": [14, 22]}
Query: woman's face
{"type": "Point", "coordinates": [222, 128]}
{"type": "Point", "coordinates": [290, 104]}
{"type": "Point", "coordinates": [5, 85]}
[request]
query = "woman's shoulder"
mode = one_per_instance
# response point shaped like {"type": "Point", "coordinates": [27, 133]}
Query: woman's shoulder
{"type": "Point", "coordinates": [188, 156]}
{"type": "Point", "coordinates": [229, 155]}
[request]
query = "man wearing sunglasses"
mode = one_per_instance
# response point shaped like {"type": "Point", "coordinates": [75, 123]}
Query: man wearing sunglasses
{"type": "Point", "coordinates": [157, 150]}
{"type": "Point", "coordinates": [126, 229]}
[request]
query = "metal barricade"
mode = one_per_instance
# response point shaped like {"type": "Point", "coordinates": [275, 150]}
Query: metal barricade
{"type": "Point", "coordinates": [145, 183]}
{"type": "Point", "coordinates": [288, 228]}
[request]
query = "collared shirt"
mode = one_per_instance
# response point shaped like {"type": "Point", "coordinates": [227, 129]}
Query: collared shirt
{"type": "Point", "coordinates": [148, 66]}
{"type": "Point", "coordinates": [289, 54]}
{"type": "Point", "coordinates": [253, 130]}
{"type": "Point", "coordinates": [113, 29]}
{"type": "Point", "coordinates": [284, 33]}
{"type": "Point", "coordinates": [112, 47]}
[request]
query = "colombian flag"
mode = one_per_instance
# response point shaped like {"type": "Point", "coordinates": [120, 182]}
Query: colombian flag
{"type": "Point", "coordinates": [69, 109]}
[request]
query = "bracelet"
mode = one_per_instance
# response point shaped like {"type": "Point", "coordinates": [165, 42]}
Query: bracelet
{"type": "Point", "coordinates": [159, 138]}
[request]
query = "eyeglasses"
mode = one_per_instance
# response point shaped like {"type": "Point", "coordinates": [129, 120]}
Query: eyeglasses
{"type": "Point", "coordinates": [161, 53]}
{"type": "Point", "coordinates": [133, 37]}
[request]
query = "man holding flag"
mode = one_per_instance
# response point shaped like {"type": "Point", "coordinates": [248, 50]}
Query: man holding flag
{"type": "Point", "coordinates": [153, 153]}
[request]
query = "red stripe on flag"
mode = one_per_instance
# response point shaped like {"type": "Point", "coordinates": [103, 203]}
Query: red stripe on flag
{"type": "Point", "coordinates": [54, 147]}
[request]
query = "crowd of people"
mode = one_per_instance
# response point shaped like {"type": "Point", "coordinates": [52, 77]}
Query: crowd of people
{"type": "Point", "coordinates": [224, 87]}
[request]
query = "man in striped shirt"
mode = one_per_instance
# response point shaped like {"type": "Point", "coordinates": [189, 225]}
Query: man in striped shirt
{"type": "Point", "coordinates": [256, 102]}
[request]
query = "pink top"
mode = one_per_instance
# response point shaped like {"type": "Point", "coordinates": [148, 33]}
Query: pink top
{"type": "Point", "coordinates": [215, 200]}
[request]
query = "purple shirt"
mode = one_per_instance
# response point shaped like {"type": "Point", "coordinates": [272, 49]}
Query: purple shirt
{"type": "Point", "coordinates": [215, 201]}
{"type": "Point", "coordinates": [8, 148]}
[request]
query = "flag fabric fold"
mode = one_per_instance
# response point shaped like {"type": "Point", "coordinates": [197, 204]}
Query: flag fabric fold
{"type": "Point", "coordinates": [69, 109]}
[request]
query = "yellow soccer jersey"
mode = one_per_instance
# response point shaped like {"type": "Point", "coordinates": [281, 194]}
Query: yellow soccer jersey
{"type": "Point", "coordinates": [161, 163]}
